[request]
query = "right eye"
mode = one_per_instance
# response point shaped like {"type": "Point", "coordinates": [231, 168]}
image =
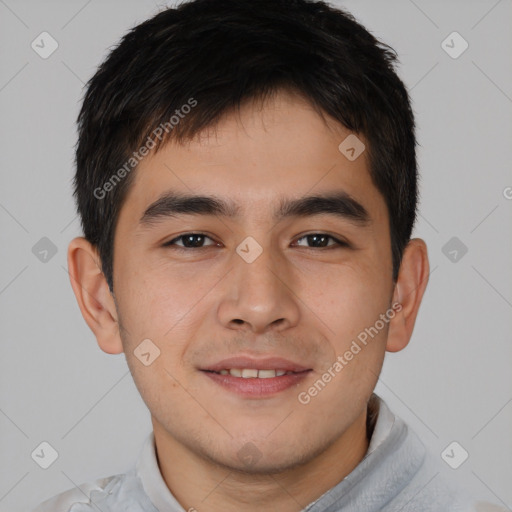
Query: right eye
{"type": "Point", "coordinates": [189, 241]}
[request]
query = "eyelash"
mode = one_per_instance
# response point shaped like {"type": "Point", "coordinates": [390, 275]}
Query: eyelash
{"type": "Point", "coordinates": [171, 243]}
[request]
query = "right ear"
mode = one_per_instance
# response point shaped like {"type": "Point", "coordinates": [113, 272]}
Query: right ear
{"type": "Point", "coordinates": [93, 294]}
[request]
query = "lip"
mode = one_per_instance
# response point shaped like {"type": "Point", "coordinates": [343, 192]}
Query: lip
{"type": "Point", "coordinates": [267, 363]}
{"type": "Point", "coordinates": [255, 387]}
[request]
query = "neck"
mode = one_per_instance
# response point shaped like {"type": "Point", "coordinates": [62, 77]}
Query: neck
{"type": "Point", "coordinates": [200, 484]}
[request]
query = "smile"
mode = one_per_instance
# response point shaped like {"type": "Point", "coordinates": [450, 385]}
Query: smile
{"type": "Point", "coordinates": [251, 383]}
{"type": "Point", "coordinates": [252, 373]}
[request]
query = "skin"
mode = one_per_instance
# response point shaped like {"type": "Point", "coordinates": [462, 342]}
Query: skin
{"type": "Point", "coordinates": [296, 301]}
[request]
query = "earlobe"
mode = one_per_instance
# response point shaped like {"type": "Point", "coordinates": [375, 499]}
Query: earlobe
{"type": "Point", "coordinates": [93, 295]}
{"type": "Point", "coordinates": [409, 289]}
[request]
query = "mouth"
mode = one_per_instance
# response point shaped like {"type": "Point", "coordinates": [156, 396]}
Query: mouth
{"type": "Point", "coordinates": [252, 373]}
{"type": "Point", "coordinates": [253, 378]}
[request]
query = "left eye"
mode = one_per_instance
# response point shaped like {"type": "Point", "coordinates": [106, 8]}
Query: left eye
{"type": "Point", "coordinates": [319, 240]}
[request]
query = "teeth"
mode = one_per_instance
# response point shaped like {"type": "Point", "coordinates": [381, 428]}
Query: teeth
{"type": "Point", "coordinates": [253, 373]}
{"type": "Point", "coordinates": [266, 374]}
{"type": "Point", "coordinates": [250, 373]}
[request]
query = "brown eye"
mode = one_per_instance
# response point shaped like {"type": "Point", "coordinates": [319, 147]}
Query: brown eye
{"type": "Point", "coordinates": [320, 240]}
{"type": "Point", "coordinates": [190, 241]}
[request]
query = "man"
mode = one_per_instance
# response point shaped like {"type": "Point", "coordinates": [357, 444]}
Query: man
{"type": "Point", "coordinates": [247, 185]}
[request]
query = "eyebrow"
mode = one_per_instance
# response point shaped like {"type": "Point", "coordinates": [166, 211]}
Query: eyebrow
{"type": "Point", "coordinates": [172, 204]}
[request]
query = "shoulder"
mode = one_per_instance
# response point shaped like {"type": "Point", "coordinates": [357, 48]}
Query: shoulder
{"type": "Point", "coordinates": [79, 498]}
{"type": "Point", "coordinates": [421, 481]}
{"type": "Point", "coordinates": [111, 494]}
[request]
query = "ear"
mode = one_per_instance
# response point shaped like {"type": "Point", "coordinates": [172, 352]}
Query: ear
{"type": "Point", "coordinates": [93, 294]}
{"type": "Point", "coordinates": [409, 289]}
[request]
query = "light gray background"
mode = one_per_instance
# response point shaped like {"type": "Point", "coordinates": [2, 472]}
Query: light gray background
{"type": "Point", "coordinates": [454, 380]}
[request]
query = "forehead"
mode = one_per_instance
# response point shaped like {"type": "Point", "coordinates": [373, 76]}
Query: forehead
{"type": "Point", "coordinates": [266, 152]}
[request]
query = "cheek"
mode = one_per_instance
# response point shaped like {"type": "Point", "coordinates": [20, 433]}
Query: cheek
{"type": "Point", "coordinates": [166, 305]}
{"type": "Point", "coordinates": [152, 300]}
{"type": "Point", "coordinates": [346, 299]}
{"type": "Point", "coordinates": [352, 311]}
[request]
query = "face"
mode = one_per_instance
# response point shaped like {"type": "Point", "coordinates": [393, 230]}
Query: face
{"type": "Point", "coordinates": [255, 307]}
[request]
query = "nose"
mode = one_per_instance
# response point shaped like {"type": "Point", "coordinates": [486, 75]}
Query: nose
{"type": "Point", "coordinates": [259, 296]}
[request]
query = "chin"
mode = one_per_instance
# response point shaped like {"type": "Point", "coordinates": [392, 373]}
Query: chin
{"type": "Point", "coordinates": [263, 465]}
{"type": "Point", "coordinates": [263, 456]}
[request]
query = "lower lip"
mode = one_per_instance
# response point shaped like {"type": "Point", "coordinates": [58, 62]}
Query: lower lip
{"type": "Point", "coordinates": [257, 388]}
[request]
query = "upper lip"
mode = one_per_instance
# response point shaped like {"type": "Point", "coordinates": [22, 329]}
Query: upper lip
{"type": "Point", "coordinates": [267, 363]}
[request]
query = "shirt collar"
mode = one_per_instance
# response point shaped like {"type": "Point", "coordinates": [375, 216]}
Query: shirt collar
{"type": "Point", "coordinates": [152, 479]}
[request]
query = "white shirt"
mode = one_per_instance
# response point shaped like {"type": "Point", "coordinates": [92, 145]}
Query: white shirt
{"type": "Point", "coordinates": [396, 475]}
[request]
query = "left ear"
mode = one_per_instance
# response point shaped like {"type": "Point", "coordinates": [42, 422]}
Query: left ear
{"type": "Point", "coordinates": [409, 289]}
